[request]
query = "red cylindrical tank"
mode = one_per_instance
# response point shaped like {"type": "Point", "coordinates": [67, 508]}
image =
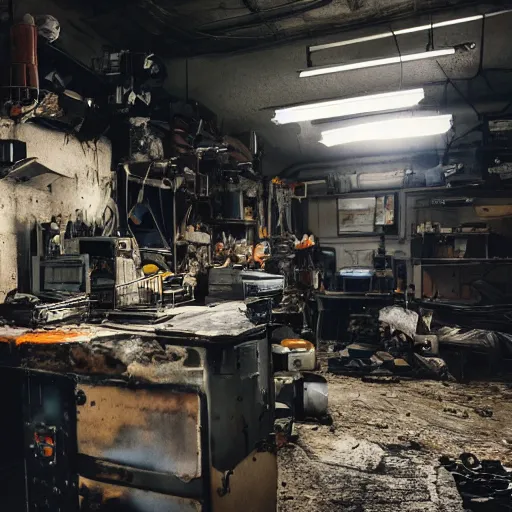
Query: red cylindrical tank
{"type": "Point", "coordinates": [24, 54]}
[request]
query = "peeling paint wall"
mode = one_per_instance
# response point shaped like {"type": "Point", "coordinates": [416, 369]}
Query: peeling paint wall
{"type": "Point", "coordinates": [86, 187]}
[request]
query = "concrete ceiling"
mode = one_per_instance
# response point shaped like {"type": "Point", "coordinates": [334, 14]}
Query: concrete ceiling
{"type": "Point", "coordinates": [240, 58]}
{"type": "Point", "coordinates": [194, 27]}
{"type": "Point", "coordinates": [243, 88]}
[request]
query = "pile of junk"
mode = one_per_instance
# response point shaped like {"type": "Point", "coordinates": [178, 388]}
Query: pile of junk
{"type": "Point", "coordinates": [174, 309]}
{"type": "Point", "coordinates": [403, 343]}
{"type": "Point", "coordinates": [216, 387]}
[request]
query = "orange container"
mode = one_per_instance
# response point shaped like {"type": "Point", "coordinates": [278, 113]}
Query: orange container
{"type": "Point", "coordinates": [292, 344]}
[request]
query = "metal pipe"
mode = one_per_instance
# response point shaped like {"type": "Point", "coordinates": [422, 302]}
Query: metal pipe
{"type": "Point", "coordinates": [174, 244]}
{"type": "Point", "coordinates": [265, 16]}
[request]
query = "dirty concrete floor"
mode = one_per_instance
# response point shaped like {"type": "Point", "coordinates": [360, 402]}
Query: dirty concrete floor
{"type": "Point", "coordinates": [382, 451]}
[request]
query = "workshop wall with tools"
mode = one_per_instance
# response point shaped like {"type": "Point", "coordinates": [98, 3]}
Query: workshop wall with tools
{"type": "Point", "coordinates": [470, 87]}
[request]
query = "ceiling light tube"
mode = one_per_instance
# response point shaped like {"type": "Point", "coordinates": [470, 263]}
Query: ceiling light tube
{"type": "Point", "coordinates": [410, 30]}
{"type": "Point", "coordinates": [349, 106]}
{"type": "Point", "coordinates": [337, 68]}
{"type": "Point", "coordinates": [392, 129]}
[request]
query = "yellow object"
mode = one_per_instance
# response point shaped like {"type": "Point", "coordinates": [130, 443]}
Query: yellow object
{"type": "Point", "coordinates": [297, 343]}
{"type": "Point", "coordinates": [150, 269]}
{"type": "Point", "coordinates": [263, 232]}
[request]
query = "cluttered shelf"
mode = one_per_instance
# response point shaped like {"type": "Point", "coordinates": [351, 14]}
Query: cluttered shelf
{"type": "Point", "coordinates": [459, 261]}
{"type": "Point", "coordinates": [328, 294]}
{"type": "Point", "coordinates": [241, 222]}
{"type": "Point", "coordinates": [457, 234]}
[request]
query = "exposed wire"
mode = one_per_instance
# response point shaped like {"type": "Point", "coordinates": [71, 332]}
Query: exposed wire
{"type": "Point", "coordinates": [430, 42]}
{"type": "Point", "coordinates": [449, 144]}
{"type": "Point", "coordinates": [140, 197]}
{"type": "Point", "coordinates": [459, 92]}
{"type": "Point", "coordinates": [465, 134]}
{"type": "Point", "coordinates": [481, 72]}
{"type": "Point", "coordinates": [255, 19]}
{"type": "Point", "coordinates": [400, 56]}
{"type": "Point", "coordinates": [222, 36]}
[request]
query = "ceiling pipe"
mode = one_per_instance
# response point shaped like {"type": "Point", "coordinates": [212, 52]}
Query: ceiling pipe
{"type": "Point", "coordinates": [384, 19]}
{"type": "Point", "coordinates": [419, 160]}
{"type": "Point", "coordinates": [265, 16]}
{"type": "Point", "coordinates": [314, 168]}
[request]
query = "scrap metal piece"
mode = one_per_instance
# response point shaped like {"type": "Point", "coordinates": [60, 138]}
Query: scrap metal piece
{"type": "Point", "coordinates": [399, 319]}
{"type": "Point", "coordinates": [484, 485]}
{"type": "Point", "coordinates": [433, 367]}
{"type": "Point", "coordinates": [315, 395]}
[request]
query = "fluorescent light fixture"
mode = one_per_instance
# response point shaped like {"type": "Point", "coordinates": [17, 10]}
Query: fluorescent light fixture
{"type": "Point", "coordinates": [410, 30]}
{"type": "Point", "coordinates": [349, 106]}
{"type": "Point", "coordinates": [384, 35]}
{"type": "Point", "coordinates": [401, 128]}
{"type": "Point", "coordinates": [337, 68]}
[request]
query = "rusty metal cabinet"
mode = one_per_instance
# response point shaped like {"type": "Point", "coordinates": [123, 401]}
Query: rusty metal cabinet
{"type": "Point", "coordinates": [190, 430]}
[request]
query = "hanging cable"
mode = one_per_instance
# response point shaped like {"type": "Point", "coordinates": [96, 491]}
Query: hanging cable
{"type": "Point", "coordinates": [400, 56]}
{"type": "Point", "coordinates": [140, 198]}
{"type": "Point", "coordinates": [430, 42]}
{"type": "Point", "coordinates": [459, 92]}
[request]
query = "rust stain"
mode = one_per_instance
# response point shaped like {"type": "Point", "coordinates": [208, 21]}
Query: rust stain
{"type": "Point", "coordinates": [260, 467]}
{"type": "Point", "coordinates": [49, 337]}
{"type": "Point", "coordinates": [103, 496]}
{"type": "Point", "coordinates": [150, 429]}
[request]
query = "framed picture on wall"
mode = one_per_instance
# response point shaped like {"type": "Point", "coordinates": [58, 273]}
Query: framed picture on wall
{"type": "Point", "coordinates": [367, 215]}
{"type": "Point", "coordinates": [356, 215]}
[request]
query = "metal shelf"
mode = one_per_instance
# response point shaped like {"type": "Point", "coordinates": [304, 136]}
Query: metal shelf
{"type": "Point", "coordinates": [457, 234]}
{"type": "Point", "coordinates": [460, 261]}
{"type": "Point", "coordinates": [239, 222]}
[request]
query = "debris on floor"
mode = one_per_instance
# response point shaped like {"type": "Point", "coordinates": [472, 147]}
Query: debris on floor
{"type": "Point", "coordinates": [485, 486]}
{"type": "Point", "coordinates": [382, 451]}
{"type": "Point", "coordinates": [399, 350]}
{"type": "Point", "coordinates": [413, 345]}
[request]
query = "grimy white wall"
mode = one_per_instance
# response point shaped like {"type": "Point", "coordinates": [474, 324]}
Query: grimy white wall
{"type": "Point", "coordinates": [86, 187]}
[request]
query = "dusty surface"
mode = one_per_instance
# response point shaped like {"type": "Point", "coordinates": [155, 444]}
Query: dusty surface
{"type": "Point", "coordinates": [382, 451]}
